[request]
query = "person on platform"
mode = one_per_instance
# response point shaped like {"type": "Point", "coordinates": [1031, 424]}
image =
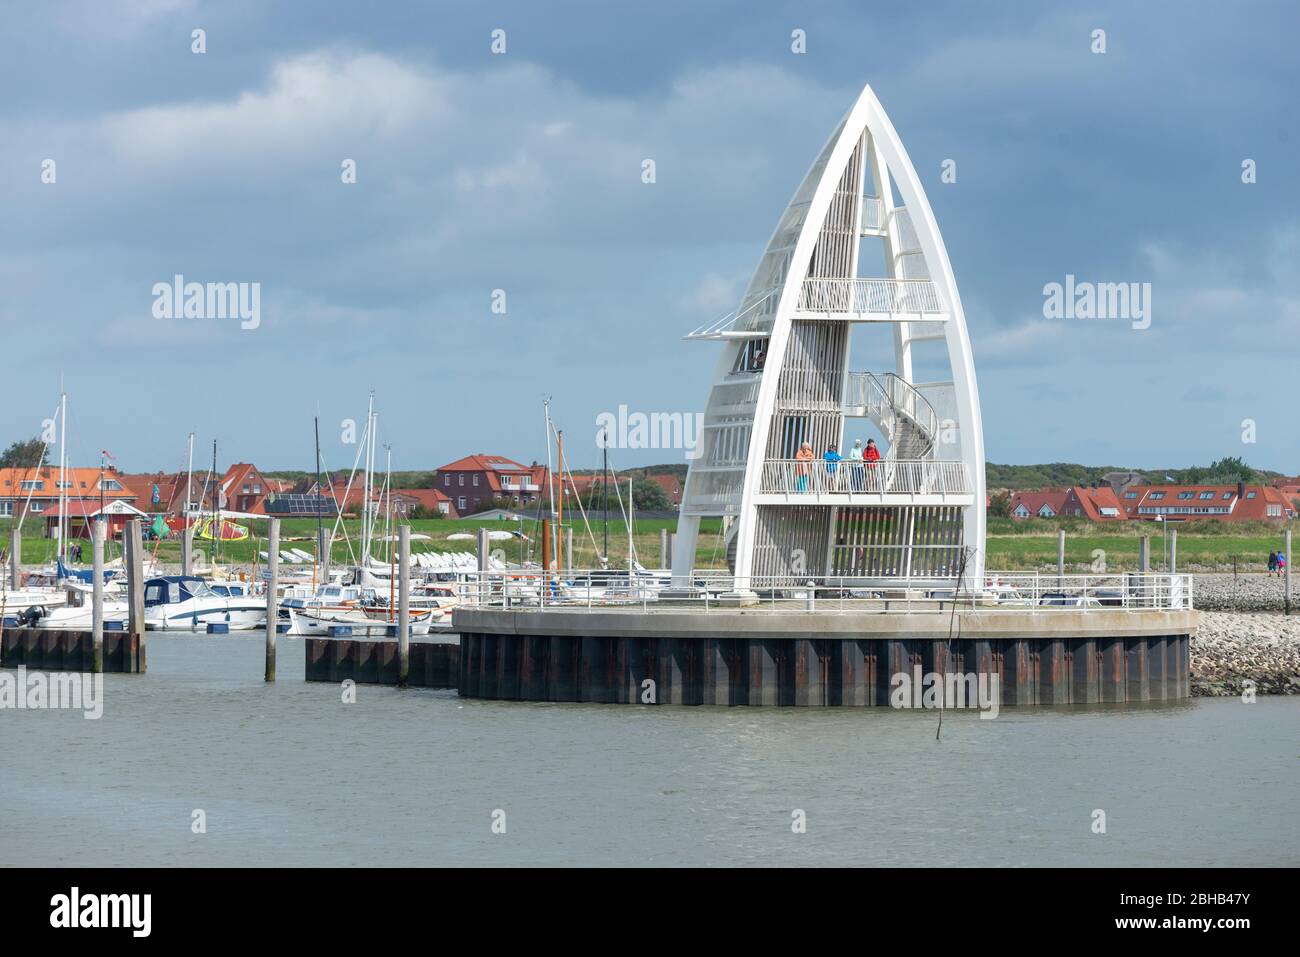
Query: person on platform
{"type": "Point", "coordinates": [871, 455]}
{"type": "Point", "coordinates": [802, 466]}
{"type": "Point", "coordinates": [833, 459]}
{"type": "Point", "coordinates": [855, 466]}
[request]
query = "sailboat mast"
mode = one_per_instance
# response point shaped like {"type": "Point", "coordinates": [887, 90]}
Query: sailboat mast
{"type": "Point", "coordinates": [320, 500]}
{"type": "Point", "coordinates": [365, 480]}
{"type": "Point", "coordinates": [216, 507]}
{"type": "Point", "coordinates": [189, 480]}
{"type": "Point", "coordinates": [604, 486]}
{"type": "Point", "coordinates": [550, 475]}
{"type": "Point", "coordinates": [63, 467]}
{"type": "Point", "coordinates": [559, 547]}
{"type": "Point", "coordinates": [388, 499]}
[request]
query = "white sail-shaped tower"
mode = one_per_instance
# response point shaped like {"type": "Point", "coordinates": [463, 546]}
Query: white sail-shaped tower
{"type": "Point", "coordinates": [784, 379]}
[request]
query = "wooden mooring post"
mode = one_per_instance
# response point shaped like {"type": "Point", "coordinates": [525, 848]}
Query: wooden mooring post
{"type": "Point", "coordinates": [1060, 557]}
{"type": "Point", "coordinates": [272, 584]}
{"type": "Point", "coordinates": [1286, 586]}
{"type": "Point", "coordinates": [1144, 554]}
{"type": "Point", "coordinates": [97, 598]}
{"type": "Point", "coordinates": [403, 605]}
{"type": "Point", "coordinates": [134, 578]}
{"type": "Point", "coordinates": [1173, 550]}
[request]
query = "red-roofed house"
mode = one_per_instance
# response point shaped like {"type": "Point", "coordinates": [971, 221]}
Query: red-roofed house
{"type": "Point", "coordinates": [243, 488]}
{"type": "Point", "coordinates": [1095, 504]}
{"type": "Point", "coordinates": [1180, 503]}
{"type": "Point", "coordinates": [407, 500]}
{"type": "Point", "coordinates": [34, 491]}
{"type": "Point", "coordinates": [1039, 503]}
{"type": "Point", "coordinates": [671, 485]}
{"type": "Point", "coordinates": [473, 482]}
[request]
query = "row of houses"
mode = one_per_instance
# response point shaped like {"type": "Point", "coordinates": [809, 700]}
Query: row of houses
{"type": "Point", "coordinates": [464, 487]}
{"type": "Point", "coordinates": [1170, 503]}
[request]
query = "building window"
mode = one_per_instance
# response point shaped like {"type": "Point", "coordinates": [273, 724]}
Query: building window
{"type": "Point", "coordinates": [1250, 495]}
{"type": "Point", "coordinates": [112, 485]}
{"type": "Point", "coordinates": [1275, 511]}
{"type": "Point", "coordinates": [460, 502]}
{"type": "Point", "coordinates": [462, 480]}
{"type": "Point", "coordinates": [446, 481]}
{"type": "Point", "coordinates": [6, 508]}
{"type": "Point", "coordinates": [32, 484]}
{"type": "Point", "coordinates": [38, 506]}
{"type": "Point", "coordinates": [1207, 495]}
{"type": "Point", "coordinates": [1155, 496]}
{"type": "Point", "coordinates": [476, 480]}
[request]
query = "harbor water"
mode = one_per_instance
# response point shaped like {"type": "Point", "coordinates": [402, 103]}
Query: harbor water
{"type": "Point", "coordinates": [291, 774]}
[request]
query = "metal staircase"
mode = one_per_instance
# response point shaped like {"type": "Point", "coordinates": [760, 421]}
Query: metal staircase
{"type": "Point", "coordinates": [898, 409]}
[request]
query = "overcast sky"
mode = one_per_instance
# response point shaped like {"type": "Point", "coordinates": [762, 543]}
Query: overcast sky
{"type": "Point", "coordinates": [523, 172]}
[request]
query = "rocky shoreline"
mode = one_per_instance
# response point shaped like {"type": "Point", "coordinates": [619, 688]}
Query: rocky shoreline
{"type": "Point", "coordinates": [1231, 648]}
{"type": "Point", "coordinates": [1244, 593]}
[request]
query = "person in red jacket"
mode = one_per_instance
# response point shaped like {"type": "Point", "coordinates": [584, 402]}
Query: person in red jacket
{"type": "Point", "coordinates": [870, 456]}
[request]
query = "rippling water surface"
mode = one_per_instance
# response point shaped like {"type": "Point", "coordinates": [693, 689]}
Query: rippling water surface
{"type": "Point", "coordinates": [289, 774]}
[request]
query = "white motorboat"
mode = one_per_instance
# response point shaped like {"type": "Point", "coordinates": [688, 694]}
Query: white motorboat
{"type": "Point", "coordinates": [183, 602]}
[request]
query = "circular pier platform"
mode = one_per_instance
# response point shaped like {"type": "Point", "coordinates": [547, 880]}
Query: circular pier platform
{"type": "Point", "coordinates": [819, 659]}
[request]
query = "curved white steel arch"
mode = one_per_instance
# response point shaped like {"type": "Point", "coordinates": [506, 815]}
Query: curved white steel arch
{"type": "Point", "coordinates": [716, 483]}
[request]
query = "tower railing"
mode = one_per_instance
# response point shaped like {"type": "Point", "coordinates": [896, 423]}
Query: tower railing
{"type": "Point", "coordinates": [849, 476]}
{"type": "Point", "coordinates": [887, 297]}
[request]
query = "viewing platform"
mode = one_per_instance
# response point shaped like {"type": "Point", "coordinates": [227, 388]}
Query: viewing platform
{"type": "Point", "coordinates": [870, 300]}
{"type": "Point", "coordinates": [888, 481]}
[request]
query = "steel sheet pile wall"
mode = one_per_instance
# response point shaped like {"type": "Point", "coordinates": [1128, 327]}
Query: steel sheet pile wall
{"type": "Point", "coordinates": [433, 665]}
{"type": "Point", "coordinates": [816, 672]}
{"type": "Point", "coordinates": [49, 649]}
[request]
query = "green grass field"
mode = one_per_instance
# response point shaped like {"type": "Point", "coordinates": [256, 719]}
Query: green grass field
{"type": "Point", "coordinates": [1012, 545]}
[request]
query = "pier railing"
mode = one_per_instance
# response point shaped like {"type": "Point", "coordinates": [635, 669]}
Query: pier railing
{"type": "Point", "coordinates": [707, 591]}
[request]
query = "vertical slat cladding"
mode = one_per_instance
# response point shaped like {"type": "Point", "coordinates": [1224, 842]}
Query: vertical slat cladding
{"type": "Point", "coordinates": [784, 533]}
{"type": "Point", "coordinates": [877, 541]}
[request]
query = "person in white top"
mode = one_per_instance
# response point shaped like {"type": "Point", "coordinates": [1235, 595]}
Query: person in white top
{"type": "Point", "coordinates": [855, 465]}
